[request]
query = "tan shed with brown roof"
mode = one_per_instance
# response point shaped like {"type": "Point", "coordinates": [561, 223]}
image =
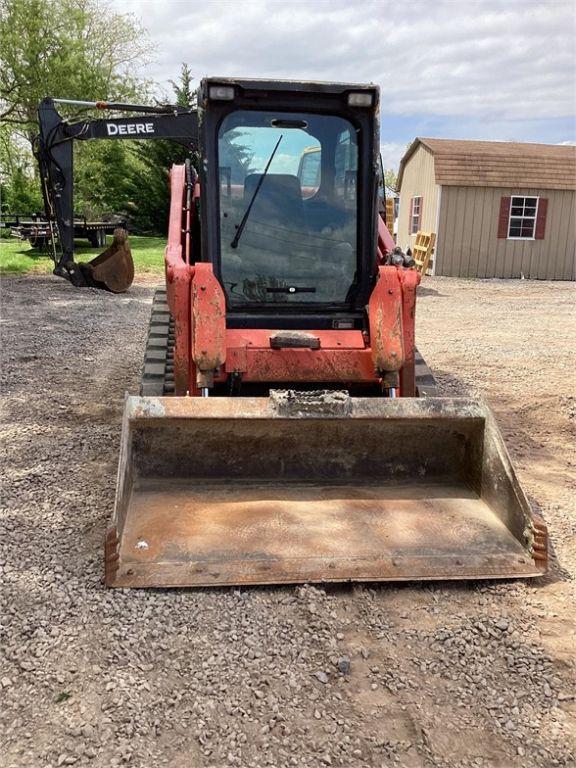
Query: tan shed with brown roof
{"type": "Point", "coordinates": [500, 209]}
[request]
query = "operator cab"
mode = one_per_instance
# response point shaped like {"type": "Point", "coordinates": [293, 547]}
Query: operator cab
{"type": "Point", "coordinates": [290, 220]}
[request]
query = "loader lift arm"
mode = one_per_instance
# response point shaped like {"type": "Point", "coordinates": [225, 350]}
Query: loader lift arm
{"type": "Point", "coordinates": [54, 154]}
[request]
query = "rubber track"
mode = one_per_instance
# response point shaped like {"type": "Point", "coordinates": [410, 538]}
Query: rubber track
{"type": "Point", "coordinates": [158, 369]}
{"type": "Point", "coordinates": [426, 384]}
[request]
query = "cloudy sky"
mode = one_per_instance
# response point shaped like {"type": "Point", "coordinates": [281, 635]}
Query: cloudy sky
{"type": "Point", "coordinates": [470, 69]}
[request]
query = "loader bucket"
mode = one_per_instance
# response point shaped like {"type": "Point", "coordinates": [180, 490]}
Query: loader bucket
{"type": "Point", "coordinates": [113, 269]}
{"type": "Point", "coordinates": [232, 491]}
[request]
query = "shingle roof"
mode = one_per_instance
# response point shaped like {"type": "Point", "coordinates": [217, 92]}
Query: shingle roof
{"type": "Point", "coordinates": [499, 163]}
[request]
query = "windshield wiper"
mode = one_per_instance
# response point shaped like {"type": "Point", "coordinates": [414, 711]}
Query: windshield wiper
{"type": "Point", "coordinates": [238, 235]}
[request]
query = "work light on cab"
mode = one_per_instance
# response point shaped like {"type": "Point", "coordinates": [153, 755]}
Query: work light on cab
{"type": "Point", "coordinates": [221, 92]}
{"type": "Point", "coordinates": [360, 99]}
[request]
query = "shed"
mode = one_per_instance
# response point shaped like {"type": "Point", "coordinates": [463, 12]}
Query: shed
{"type": "Point", "coordinates": [499, 209]}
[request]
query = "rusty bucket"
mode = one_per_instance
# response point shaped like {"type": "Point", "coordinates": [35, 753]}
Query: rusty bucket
{"type": "Point", "coordinates": [114, 268]}
{"type": "Point", "coordinates": [232, 491]}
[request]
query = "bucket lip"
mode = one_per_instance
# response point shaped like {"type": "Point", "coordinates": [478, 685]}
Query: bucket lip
{"type": "Point", "coordinates": [144, 409]}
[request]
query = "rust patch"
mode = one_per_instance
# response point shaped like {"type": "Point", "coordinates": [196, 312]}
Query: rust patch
{"type": "Point", "coordinates": [114, 268]}
{"type": "Point", "coordinates": [208, 320]}
{"type": "Point", "coordinates": [111, 555]}
{"type": "Point", "coordinates": [222, 533]}
{"type": "Point", "coordinates": [385, 317]}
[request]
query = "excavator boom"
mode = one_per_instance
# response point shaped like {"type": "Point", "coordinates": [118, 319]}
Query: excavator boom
{"type": "Point", "coordinates": [113, 269]}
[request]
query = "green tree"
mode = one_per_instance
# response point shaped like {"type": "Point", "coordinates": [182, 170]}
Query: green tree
{"type": "Point", "coordinates": [149, 203]}
{"type": "Point", "coordinates": [390, 180]}
{"type": "Point", "coordinates": [101, 178]}
{"type": "Point", "coordinates": [77, 49]}
{"type": "Point", "coordinates": [184, 90]}
{"type": "Point", "coordinates": [19, 191]}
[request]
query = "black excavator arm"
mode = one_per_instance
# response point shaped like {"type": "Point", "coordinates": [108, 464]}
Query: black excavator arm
{"type": "Point", "coordinates": [54, 153]}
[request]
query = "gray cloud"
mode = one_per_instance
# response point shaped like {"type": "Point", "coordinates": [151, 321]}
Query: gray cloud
{"type": "Point", "coordinates": [485, 60]}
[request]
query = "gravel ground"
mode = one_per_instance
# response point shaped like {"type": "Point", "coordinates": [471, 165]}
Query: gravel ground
{"type": "Point", "coordinates": [444, 674]}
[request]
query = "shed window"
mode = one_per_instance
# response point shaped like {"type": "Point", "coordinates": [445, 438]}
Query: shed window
{"type": "Point", "coordinates": [522, 220]}
{"type": "Point", "coordinates": [416, 210]}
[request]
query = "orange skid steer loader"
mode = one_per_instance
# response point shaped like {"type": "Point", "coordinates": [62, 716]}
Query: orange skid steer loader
{"type": "Point", "coordinates": [287, 428]}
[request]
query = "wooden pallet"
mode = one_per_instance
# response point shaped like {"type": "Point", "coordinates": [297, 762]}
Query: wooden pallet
{"type": "Point", "coordinates": [390, 215]}
{"type": "Point", "coordinates": [422, 251]}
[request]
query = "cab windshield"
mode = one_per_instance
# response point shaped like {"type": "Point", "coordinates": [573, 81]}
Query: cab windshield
{"type": "Point", "coordinates": [288, 212]}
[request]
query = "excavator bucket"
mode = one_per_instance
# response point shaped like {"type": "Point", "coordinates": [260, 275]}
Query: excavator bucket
{"type": "Point", "coordinates": [307, 488]}
{"type": "Point", "coordinates": [113, 269]}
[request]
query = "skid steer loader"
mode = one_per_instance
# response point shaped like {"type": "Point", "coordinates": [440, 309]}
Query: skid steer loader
{"type": "Point", "coordinates": [287, 428]}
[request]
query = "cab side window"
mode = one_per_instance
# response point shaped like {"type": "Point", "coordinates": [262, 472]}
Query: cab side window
{"type": "Point", "coordinates": [346, 168]}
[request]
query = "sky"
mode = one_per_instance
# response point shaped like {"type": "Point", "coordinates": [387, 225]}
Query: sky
{"type": "Point", "coordinates": [463, 69]}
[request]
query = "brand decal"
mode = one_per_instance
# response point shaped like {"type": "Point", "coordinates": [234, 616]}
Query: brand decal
{"type": "Point", "coordinates": [129, 129]}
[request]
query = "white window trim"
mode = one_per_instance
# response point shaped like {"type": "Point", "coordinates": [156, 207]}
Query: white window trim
{"type": "Point", "coordinates": [419, 198]}
{"type": "Point", "coordinates": [534, 218]}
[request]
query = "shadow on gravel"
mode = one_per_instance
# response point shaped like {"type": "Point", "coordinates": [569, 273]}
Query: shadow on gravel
{"type": "Point", "coordinates": [450, 385]}
{"type": "Point", "coordinates": [423, 291]}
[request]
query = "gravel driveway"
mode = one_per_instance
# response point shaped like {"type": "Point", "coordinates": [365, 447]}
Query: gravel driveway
{"type": "Point", "coordinates": [444, 674]}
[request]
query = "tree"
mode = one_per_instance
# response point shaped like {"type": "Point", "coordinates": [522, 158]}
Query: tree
{"type": "Point", "coordinates": [101, 178]}
{"type": "Point", "coordinates": [149, 205]}
{"type": "Point", "coordinates": [19, 191]}
{"type": "Point", "coordinates": [391, 181]}
{"type": "Point", "coordinates": [184, 90]}
{"type": "Point", "coordinates": [78, 49]}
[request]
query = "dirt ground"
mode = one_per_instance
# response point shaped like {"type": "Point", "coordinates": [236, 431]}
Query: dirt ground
{"type": "Point", "coordinates": [442, 674]}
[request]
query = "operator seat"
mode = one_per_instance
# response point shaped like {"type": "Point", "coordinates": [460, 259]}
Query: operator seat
{"type": "Point", "coordinates": [279, 201]}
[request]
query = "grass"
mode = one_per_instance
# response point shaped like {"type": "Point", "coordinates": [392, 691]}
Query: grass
{"type": "Point", "coordinates": [18, 257]}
